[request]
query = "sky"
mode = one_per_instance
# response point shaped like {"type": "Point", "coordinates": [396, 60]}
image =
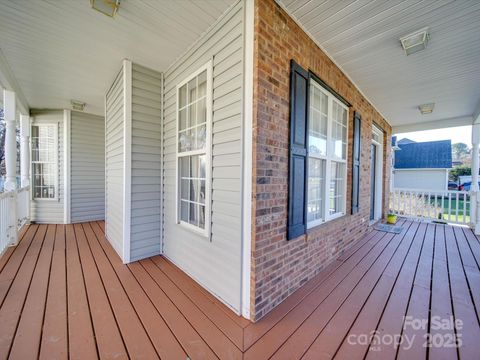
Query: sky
{"type": "Point", "coordinates": [456, 134]}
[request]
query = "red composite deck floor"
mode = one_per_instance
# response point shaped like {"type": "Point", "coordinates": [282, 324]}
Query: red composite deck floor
{"type": "Point", "coordinates": [64, 293]}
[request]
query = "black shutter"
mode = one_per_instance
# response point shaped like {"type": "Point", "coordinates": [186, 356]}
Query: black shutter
{"type": "Point", "coordinates": [297, 207]}
{"type": "Point", "coordinates": [357, 123]}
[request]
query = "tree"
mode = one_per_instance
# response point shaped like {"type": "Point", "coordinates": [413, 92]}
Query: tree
{"type": "Point", "coordinates": [459, 150]}
{"type": "Point", "coordinates": [460, 170]}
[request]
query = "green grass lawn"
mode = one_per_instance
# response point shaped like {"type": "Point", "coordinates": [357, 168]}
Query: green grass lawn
{"type": "Point", "coordinates": [461, 215]}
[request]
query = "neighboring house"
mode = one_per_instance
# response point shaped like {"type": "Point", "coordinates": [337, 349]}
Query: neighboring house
{"type": "Point", "coordinates": [246, 155]}
{"type": "Point", "coordinates": [422, 165]}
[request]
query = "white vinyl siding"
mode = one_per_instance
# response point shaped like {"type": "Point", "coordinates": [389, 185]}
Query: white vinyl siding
{"type": "Point", "coordinates": [114, 163]}
{"type": "Point", "coordinates": [421, 179]}
{"type": "Point", "coordinates": [87, 164]}
{"type": "Point", "coordinates": [42, 210]}
{"type": "Point", "coordinates": [146, 221]}
{"type": "Point", "coordinates": [214, 263]}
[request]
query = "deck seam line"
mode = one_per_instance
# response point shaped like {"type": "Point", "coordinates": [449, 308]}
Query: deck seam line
{"type": "Point", "coordinates": [106, 294]}
{"type": "Point", "coordinates": [466, 277]}
{"type": "Point", "coordinates": [197, 307]}
{"type": "Point", "coordinates": [341, 262]}
{"type": "Point", "coordinates": [373, 289]}
{"type": "Point", "coordinates": [174, 304]}
{"type": "Point", "coordinates": [125, 291]}
{"type": "Point", "coordinates": [392, 289]}
{"type": "Point", "coordinates": [46, 292]}
{"type": "Point", "coordinates": [86, 289]}
{"type": "Point", "coordinates": [450, 291]}
{"type": "Point", "coordinates": [28, 289]}
{"type": "Point", "coordinates": [19, 266]}
{"type": "Point", "coordinates": [356, 285]}
{"type": "Point", "coordinates": [296, 329]}
{"type": "Point", "coordinates": [412, 286]}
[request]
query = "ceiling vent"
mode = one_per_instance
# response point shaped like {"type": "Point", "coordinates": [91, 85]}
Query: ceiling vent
{"type": "Point", "coordinates": [106, 7]}
{"type": "Point", "coordinates": [416, 41]}
{"type": "Point", "coordinates": [426, 108]}
{"type": "Point", "coordinates": [77, 105]}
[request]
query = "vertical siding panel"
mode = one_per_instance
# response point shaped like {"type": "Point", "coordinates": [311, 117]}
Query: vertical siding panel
{"type": "Point", "coordinates": [215, 264]}
{"type": "Point", "coordinates": [87, 188]}
{"type": "Point", "coordinates": [114, 164]}
{"type": "Point", "coordinates": [146, 163]}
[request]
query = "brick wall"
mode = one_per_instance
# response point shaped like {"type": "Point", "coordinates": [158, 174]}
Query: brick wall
{"type": "Point", "coordinates": [279, 267]}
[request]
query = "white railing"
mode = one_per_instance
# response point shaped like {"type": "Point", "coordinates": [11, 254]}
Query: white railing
{"type": "Point", "coordinates": [14, 214]}
{"type": "Point", "coordinates": [447, 206]}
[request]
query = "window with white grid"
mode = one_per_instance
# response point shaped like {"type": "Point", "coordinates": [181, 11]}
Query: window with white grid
{"type": "Point", "coordinates": [44, 161]}
{"type": "Point", "coordinates": [194, 150]}
{"type": "Point", "coordinates": [327, 156]}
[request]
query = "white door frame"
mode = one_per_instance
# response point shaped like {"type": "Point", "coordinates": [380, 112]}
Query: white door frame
{"type": "Point", "coordinates": [377, 139]}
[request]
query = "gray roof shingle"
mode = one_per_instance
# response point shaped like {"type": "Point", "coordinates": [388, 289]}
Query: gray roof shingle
{"type": "Point", "coordinates": [424, 155]}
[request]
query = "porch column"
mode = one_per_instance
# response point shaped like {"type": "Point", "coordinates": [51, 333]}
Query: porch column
{"type": "Point", "coordinates": [10, 140]}
{"type": "Point", "coordinates": [25, 149]}
{"type": "Point", "coordinates": [474, 195]}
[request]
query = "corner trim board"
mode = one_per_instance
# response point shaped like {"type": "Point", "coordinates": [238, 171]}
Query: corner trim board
{"type": "Point", "coordinates": [67, 121]}
{"type": "Point", "coordinates": [247, 164]}
{"type": "Point", "coordinates": [127, 158]}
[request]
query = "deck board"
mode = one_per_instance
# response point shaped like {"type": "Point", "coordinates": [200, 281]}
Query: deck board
{"type": "Point", "coordinates": [64, 293]}
{"type": "Point", "coordinates": [27, 340]}
{"type": "Point", "coordinates": [55, 334]}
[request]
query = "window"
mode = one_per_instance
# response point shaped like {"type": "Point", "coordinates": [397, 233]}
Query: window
{"type": "Point", "coordinates": [327, 156]}
{"type": "Point", "coordinates": [44, 161]}
{"type": "Point", "coordinates": [194, 150]}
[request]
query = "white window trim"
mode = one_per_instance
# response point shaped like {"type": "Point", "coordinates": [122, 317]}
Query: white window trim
{"type": "Point", "coordinates": [208, 152]}
{"type": "Point", "coordinates": [55, 134]}
{"type": "Point", "coordinates": [328, 160]}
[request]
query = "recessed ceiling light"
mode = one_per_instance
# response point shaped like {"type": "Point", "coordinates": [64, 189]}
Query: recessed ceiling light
{"type": "Point", "coordinates": [106, 7]}
{"type": "Point", "coordinates": [416, 41]}
{"type": "Point", "coordinates": [77, 105]}
{"type": "Point", "coordinates": [426, 108]}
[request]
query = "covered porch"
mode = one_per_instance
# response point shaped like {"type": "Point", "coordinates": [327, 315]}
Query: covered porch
{"type": "Point", "coordinates": [64, 293]}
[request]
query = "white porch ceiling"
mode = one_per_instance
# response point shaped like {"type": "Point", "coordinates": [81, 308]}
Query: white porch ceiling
{"type": "Point", "coordinates": [63, 49]}
{"type": "Point", "coordinates": [362, 38]}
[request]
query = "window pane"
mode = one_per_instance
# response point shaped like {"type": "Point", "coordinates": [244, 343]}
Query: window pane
{"type": "Point", "coordinates": [200, 134]}
{"type": "Point", "coordinates": [202, 111]}
{"type": "Point", "coordinates": [318, 122]}
{"type": "Point", "coordinates": [182, 119]}
{"type": "Point", "coordinates": [339, 131]}
{"type": "Point", "coordinates": [184, 211]}
{"type": "Point", "coordinates": [337, 188]}
{"type": "Point", "coordinates": [192, 90]}
{"type": "Point", "coordinates": [203, 165]}
{"type": "Point", "coordinates": [193, 214]}
{"type": "Point", "coordinates": [316, 188]}
{"type": "Point", "coordinates": [182, 96]}
{"type": "Point", "coordinates": [184, 141]}
{"type": "Point", "coordinates": [192, 115]}
{"type": "Point", "coordinates": [202, 84]}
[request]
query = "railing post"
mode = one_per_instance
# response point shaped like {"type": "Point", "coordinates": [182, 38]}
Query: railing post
{"type": "Point", "coordinates": [25, 150]}
{"type": "Point", "coordinates": [474, 196]}
{"type": "Point", "coordinates": [9, 112]}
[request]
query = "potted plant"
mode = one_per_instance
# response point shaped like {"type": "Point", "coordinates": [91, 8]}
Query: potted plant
{"type": "Point", "coordinates": [392, 218]}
